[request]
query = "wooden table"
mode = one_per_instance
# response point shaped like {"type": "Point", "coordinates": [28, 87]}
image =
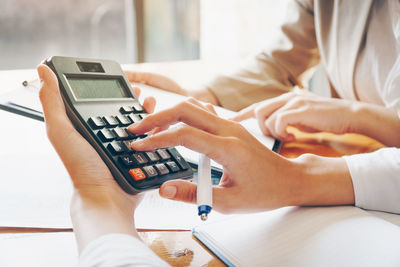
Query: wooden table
{"type": "Point", "coordinates": [168, 244]}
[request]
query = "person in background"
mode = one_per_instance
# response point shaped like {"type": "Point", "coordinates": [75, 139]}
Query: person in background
{"type": "Point", "coordinates": [357, 44]}
{"type": "Point", "coordinates": [358, 69]}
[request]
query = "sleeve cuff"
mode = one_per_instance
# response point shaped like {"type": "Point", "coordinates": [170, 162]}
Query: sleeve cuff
{"type": "Point", "coordinates": [376, 179]}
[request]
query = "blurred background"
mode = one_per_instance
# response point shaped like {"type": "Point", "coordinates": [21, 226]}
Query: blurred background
{"type": "Point", "coordinates": [132, 31]}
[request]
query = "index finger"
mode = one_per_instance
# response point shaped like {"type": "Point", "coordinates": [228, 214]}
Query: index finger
{"type": "Point", "coordinates": [245, 113]}
{"type": "Point", "coordinates": [185, 112]}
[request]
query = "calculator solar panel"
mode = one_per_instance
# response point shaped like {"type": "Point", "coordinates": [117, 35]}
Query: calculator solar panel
{"type": "Point", "coordinates": [101, 105]}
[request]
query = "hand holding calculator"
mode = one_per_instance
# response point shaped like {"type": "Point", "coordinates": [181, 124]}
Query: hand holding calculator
{"type": "Point", "coordinates": [100, 103]}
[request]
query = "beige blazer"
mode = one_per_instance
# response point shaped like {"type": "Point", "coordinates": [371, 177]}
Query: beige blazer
{"type": "Point", "coordinates": [326, 32]}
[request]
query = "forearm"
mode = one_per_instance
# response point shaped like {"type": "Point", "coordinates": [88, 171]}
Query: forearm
{"type": "Point", "coordinates": [380, 123]}
{"type": "Point", "coordinates": [322, 181]}
{"type": "Point", "coordinates": [92, 218]}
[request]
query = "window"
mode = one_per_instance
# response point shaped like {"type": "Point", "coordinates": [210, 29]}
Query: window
{"type": "Point", "coordinates": [130, 31]}
{"type": "Point", "coordinates": [33, 30]}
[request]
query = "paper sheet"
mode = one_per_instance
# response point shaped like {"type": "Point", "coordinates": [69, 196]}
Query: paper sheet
{"type": "Point", "coordinates": [35, 189]}
{"type": "Point", "coordinates": [321, 236]}
{"type": "Point", "coordinates": [38, 250]}
{"type": "Point", "coordinates": [155, 212]}
{"type": "Point", "coordinates": [12, 90]}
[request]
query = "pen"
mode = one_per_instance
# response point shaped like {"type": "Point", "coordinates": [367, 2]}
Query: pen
{"type": "Point", "coordinates": [204, 187]}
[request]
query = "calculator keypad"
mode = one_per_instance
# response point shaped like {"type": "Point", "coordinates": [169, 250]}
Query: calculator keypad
{"type": "Point", "coordinates": [120, 133]}
{"type": "Point", "coordinates": [116, 147]}
{"type": "Point", "coordinates": [150, 171]}
{"type": "Point", "coordinates": [162, 169]}
{"type": "Point", "coordinates": [172, 166]}
{"type": "Point", "coordinates": [106, 135]}
{"type": "Point", "coordinates": [123, 120]}
{"type": "Point", "coordinates": [127, 160]}
{"type": "Point", "coordinates": [137, 174]}
{"type": "Point", "coordinates": [111, 121]}
{"type": "Point", "coordinates": [137, 107]}
{"type": "Point", "coordinates": [126, 110]}
{"type": "Point", "coordinates": [152, 156]}
{"type": "Point", "coordinates": [96, 123]}
{"type": "Point", "coordinates": [163, 154]}
{"type": "Point", "coordinates": [141, 167]}
{"type": "Point", "coordinates": [140, 158]}
{"type": "Point", "coordinates": [134, 118]}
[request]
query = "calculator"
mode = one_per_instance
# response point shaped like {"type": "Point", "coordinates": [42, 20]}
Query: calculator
{"type": "Point", "coordinates": [101, 105]}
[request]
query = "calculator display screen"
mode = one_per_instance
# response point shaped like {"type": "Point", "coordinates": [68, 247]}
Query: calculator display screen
{"type": "Point", "coordinates": [85, 88]}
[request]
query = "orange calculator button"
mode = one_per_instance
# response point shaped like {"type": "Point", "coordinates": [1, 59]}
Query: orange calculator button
{"type": "Point", "coordinates": [137, 174]}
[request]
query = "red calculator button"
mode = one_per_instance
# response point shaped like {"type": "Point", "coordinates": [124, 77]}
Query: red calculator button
{"type": "Point", "coordinates": [137, 174]}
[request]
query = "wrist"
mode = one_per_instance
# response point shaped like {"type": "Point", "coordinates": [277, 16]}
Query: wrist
{"type": "Point", "coordinates": [358, 112]}
{"type": "Point", "coordinates": [378, 122]}
{"type": "Point", "coordinates": [117, 203]}
{"type": "Point", "coordinates": [322, 181]}
{"type": "Point", "coordinates": [93, 217]}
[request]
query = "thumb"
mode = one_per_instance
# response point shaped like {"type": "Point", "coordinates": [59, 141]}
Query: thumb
{"type": "Point", "coordinates": [179, 190]}
{"type": "Point", "coordinates": [52, 103]}
{"type": "Point", "coordinates": [187, 192]}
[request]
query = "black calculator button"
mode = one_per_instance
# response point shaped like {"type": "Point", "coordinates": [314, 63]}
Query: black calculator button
{"type": "Point", "coordinates": [126, 110]}
{"type": "Point", "coordinates": [116, 147]}
{"type": "Point", "coordinates": [141, 136]}
{"type": "Point", "coordinates": [178, 158]}
{"type": "Point", "coordinates": [128, 145]}
{"type": "Point", "coordinates": [139, 158]}
{"type": "Point", "coordinates": [111, 121]}
{"type": "Point", "coordinates": [134, 118]}
{"type": "Point", "coordinates": [172, 166]}
{"type": "Point", "coordinates": [126, 160]}
{"type": "Point", "coordinates": [143, 115]}
{"type": "Point", "coordinates": [120, 133]}
{"type": "Point", "coordinates": [163, 154]}
{"type": "Point", "coordinates": [162, 169]}
{"type": "Point", "coordinates": [150, 171]}
{"type": "Point", "coordinates": [106, 135]}
{"type": "Point", "coordinates": [96, 123]}
{"type": "Point", "coordinates": [123, 120]}
{"type": "Point", "coordinates": [152, 156]}
{"type": "Point", "coordinates": [137, 107]}
{"type": "Point", "coordinates": [131, 135]}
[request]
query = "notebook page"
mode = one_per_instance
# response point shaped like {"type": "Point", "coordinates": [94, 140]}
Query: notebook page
{"type": "Point", "coordinates": [330, 236]}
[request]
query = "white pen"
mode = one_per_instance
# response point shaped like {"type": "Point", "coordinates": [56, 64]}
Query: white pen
{"type": "Point", "coordinates": [204, 187]}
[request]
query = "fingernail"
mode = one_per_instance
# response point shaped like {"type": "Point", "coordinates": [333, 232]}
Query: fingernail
{"type": "Point", "coordinates": [168, 191]}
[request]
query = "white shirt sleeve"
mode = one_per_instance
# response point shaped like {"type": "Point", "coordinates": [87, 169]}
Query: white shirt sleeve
{"type": "Point", "coordinates": [376, 179]}
{"type": "Point", "coordinates": [114, 250]}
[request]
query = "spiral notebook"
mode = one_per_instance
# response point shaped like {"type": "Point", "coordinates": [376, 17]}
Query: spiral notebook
{"type": "Point", "coordinates": [322, 236]}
